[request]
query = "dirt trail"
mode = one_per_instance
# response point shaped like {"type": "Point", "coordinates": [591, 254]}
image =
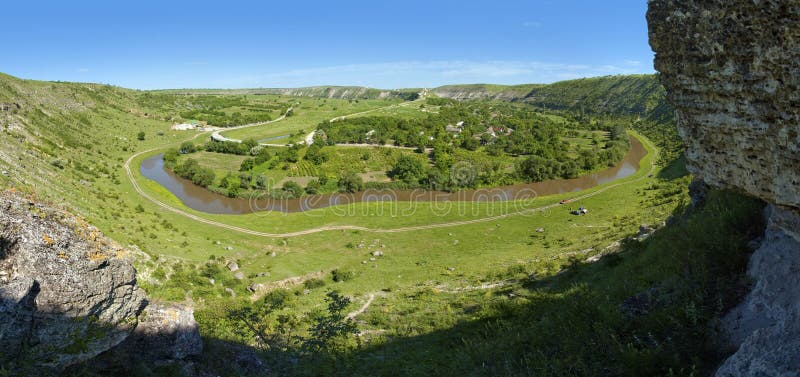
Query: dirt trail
{"type": "Point", "coordinates": [237, 229]}
{"type": "Point", "coordinates": [363, 308]}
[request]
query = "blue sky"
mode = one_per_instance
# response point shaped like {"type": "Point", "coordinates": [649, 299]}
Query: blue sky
{"type": "Point", "coordinates": [386, 44]}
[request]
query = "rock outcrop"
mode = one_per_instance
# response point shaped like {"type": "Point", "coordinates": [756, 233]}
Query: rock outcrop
{"type": "Point", "coordinates": [732, 71]}
{"type": "Point", "coordinates": [166, 332]}
{"type": "Point", "coordinates": [67, 293]}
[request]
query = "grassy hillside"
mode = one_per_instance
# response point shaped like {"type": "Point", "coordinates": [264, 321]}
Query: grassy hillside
{"type": "Point", "coordinates": [484, 297]}
{"type": "Point", "coordinates": [485, 91]}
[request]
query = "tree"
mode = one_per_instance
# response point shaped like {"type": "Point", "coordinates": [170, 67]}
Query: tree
{"type": "Point", "coordinates": [261, 182]}
{"type": "Point", "coordinates": [259, 321]}
{"type": "Point", "coordinates": [204, 177]}
{"type": "Point", "coordinates": [292, 190]}
{"type": "Point", "coordinates": [350, 182]}
{"type": "Point", "coordinates": [244, 180]}
{"type": "Point", "coordinates": [170, 157]}
{"type": "Point", "coordinates": [314, 187]}
{"type": "Point", "coordinates": [247, 164]}
{"type": "Point", "coordinates": [315, 155]}
{"type": "Point", "coordinates": [331, 330]}
{"type": "Point", "coordinates": [140, 135]}
{"type": "Point", "coordinates": [409, 170]}
{"type": "Point", "coordinates": [187, 147]}
{"type": "Point", "coordinates": [248, 145]}
{"type": "Point", "coordinates": [470, 144]}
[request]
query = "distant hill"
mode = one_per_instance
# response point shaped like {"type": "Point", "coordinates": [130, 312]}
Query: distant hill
{"type": "Point", "coordinates": [338, 92]}
{"type": "Point", "coordinates": [485, 91]}
{"type": "Point", "coordinates": [640, 95]}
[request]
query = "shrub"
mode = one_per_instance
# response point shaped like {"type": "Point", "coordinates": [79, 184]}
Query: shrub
{"type": "Point", "coordinates": [340, 276]}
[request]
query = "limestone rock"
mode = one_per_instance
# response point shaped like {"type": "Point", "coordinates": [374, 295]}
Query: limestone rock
{"type": "Point", "coordinates": [65, 292]}
{"type": "Point", "coordinates": [165, 332]}
{"type": "Point", "coordinates": [732, 70]}
{"type": "Point", "coordinates": [767, 323]}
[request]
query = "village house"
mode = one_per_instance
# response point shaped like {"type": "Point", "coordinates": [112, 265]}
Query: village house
{"type": "Point", "coordinates": [182, 127]}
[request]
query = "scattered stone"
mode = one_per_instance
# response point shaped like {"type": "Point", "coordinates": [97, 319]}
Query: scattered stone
{"type": "Point", "coordinates": [540, 230]}
{"type": "Point", "coordinates": [273, 254]}
{"type": "Point", "coordinates": [233, 266]}
{"type": "Point", "coordinates": [451, 269]}
{"type": "Point", "coordinates": [594, 258]}
{"type": "Point", "coordinates": [377, 253]}
{"type": "Point", "coordinates": [239, 275]}
{"type": "Point", "coordinates": [306, 291]}
{"type": "Point", "coordinates": [455, 242]}
{"type": "Point", "coordinates": [363, 262]}
{"type": "Point", "coordinates": [372, 259]}
{"type": "Point", "coordinates": [229, 248]}
{"type": "Point", "coordinates": [231, 292]}
{"type": "Point", "coordinates": [211, 281]}
{"type": "Point", "coordinates": [255, 287]}
{"type": "Point", "coordinates": [217, 243]}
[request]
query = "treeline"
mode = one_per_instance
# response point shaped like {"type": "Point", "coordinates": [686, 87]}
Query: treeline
{"type": "Point", "coordinates": [221, 119]}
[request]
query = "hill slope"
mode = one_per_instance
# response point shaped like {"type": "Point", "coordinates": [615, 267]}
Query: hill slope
{"type": "Point", "coordinates": [339, 92]}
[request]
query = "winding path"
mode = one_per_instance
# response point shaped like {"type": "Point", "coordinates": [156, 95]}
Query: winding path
{"type": "Point", "coordinates": [363, 308]}
{"type": "Point", "coordinates": [237, 229]}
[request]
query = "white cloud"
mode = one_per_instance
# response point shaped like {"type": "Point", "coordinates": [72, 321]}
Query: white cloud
{"type": "Point", "coordinates": [83, 70]}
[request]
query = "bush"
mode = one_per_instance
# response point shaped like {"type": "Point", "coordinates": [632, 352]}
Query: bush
{"type": "Point", "coordinates": [314, 283]}
{"type": "Point", "coordinates": [340, 276]}
{"type": "Point", "coordinates": [350, 182]}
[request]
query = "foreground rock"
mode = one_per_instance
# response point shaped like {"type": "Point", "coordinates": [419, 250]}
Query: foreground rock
{"type": "Point", "coordinates": [67, 293]}
{"type": "Point", "coordinates": [767, 323]}
{"type": "Point", "coordinates": [732, 71]}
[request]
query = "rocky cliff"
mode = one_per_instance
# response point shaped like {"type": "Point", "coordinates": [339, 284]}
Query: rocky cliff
{"type": "Point", "coordinates": [67, 293]}
{"type": "Point", "coordinates": [732, 71]}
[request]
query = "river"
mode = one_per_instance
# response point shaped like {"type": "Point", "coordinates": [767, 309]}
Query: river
{"type": "Point", "coordinates": [203, 200]}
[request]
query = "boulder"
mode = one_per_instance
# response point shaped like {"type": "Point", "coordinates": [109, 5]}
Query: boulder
{"type": "Point", "coordinates": [66, 292]}
{"type": "Point", "coordinates": [165, 332]}
{"type": "Point", "coordinates": [69, 294]}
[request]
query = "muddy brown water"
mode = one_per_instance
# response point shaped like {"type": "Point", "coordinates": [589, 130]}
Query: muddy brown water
{"type": "Point", "coordinates": [203, 200]}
